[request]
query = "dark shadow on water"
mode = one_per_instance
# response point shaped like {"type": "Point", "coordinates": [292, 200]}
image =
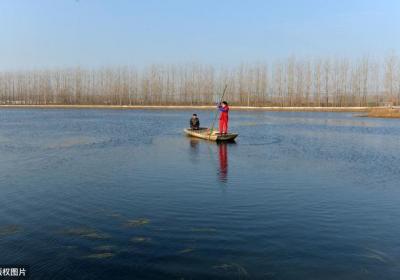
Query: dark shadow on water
{"type": "Point", "coordinates": [194, 146]}
{"type": "Point", "coordinates": [194, 150]}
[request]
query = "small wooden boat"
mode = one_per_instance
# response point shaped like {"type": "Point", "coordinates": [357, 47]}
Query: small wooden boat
{"type": "Point", "coordinates": [204, 133]}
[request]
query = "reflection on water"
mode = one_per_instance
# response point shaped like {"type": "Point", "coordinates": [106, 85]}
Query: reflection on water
{"type": "Point", "coordinates": [221, 148]}
{"type": "Point", "coordinates": [223, 162]}
{"type": "Point", "coordinates": [194, 145]}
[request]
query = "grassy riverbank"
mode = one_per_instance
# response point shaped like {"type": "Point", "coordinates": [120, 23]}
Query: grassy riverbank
{"type": "Point", "coordinates": [384, 113]}
{"type": "Point", "coordinates": [133, 107]}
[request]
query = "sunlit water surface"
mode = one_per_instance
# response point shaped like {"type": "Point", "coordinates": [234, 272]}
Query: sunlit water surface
{"type": "Point", "coordinates": [104, 194]}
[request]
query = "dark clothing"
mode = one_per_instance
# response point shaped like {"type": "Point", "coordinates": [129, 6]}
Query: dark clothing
{"type": "Point", "coordinates": [194, 123]}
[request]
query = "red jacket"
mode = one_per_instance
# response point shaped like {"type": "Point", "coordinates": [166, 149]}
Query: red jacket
{"type": "Point", "coordinates": [224, 112]}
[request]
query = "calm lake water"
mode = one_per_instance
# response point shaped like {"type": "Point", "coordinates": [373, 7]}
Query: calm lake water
{"type": "Point", "coordinates": [108, 194]}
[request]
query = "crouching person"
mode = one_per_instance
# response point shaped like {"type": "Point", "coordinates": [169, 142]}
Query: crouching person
{"type": "Point", "coordinates": [194, 122]}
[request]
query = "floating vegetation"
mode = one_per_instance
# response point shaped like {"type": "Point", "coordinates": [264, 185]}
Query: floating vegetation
{"type": "Point", "coordinates": [70, 247]}
{"type": "Point", "coordinates": [114, 215]}
{"type": "Point", "coordinates": [377, 255]}
{"type": "Point", "coordinates": [187, 250]}
{"type": "Point", "coordinates": [86, 233]}
{"type": "Point", "coordinates": [203, 230]}
{"type": "Point", "coordinates": [140, 239]}
{"type": "Point", "coordinates": [109, 213]}
{"type": "Point", "coordinates": [137, 222]}
{"type": "Point", "coordinates": [9, 230]}
{"type": "Point", "coordinates": [233, 268]}
{"type": "Point", "coordinates": [104, 248]}
{"type": "Point", "coordinates": [100, 256]}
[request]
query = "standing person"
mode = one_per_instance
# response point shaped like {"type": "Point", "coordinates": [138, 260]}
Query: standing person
{"type": "Point", "coordinates": [194, 122]}
{"type": "Point", "coordinates": [223, 119]}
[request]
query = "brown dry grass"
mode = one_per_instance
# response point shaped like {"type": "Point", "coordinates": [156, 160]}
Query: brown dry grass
{"type": "Point", "coordinates": [384, 113]}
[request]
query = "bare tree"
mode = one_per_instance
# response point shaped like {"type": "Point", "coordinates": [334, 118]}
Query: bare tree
{"type": "Point", "coordinates": [291, 82]}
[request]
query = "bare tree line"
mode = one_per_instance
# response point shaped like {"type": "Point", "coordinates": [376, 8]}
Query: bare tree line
{"type": "Point", "coordinates": [338, 82]}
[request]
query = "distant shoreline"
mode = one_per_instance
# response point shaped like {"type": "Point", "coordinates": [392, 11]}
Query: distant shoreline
{"type": "Point", "coordinates": [387, 113]}
{"type": "Point", "coordinates": [179, 107]}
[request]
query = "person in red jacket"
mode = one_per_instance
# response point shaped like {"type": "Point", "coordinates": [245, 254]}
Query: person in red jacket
{"type": "Point", "coordinates": [223, 119]}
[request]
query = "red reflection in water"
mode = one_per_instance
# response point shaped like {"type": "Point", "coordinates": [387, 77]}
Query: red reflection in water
{"type": "Point", "coordinates": [223, 162]}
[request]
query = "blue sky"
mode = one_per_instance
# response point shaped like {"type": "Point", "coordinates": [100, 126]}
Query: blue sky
{"type": "Point", "coordinates": [90, 33]}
